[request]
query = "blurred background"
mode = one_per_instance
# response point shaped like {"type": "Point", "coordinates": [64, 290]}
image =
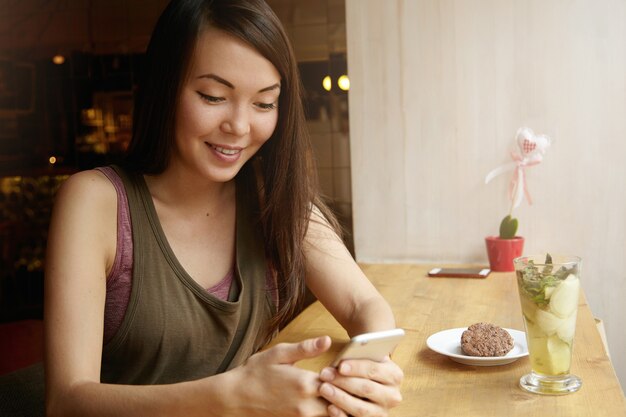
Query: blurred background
{"type": "Point", "coordinates": [68, 69]}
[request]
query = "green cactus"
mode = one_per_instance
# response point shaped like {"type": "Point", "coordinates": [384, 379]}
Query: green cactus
{"type": "Point", "coordinates": [508, 227]}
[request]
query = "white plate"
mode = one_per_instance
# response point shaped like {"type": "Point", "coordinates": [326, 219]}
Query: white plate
{"type": "Point", "coordinates": [448, 342]}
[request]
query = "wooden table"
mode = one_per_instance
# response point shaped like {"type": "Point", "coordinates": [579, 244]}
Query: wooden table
{"type": "Point", "coordinates": [434, 385]}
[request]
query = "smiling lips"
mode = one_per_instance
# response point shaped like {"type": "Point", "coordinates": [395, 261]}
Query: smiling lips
{"type": "Point", "coordinates": [224, 151]}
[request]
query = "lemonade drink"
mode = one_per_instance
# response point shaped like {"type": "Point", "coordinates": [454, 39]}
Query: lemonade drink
{"type": "Point", "coordinates": [549, 294]}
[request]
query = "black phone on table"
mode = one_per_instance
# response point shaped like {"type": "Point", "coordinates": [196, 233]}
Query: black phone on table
{"type": "Point", "coordinates": [476, 272]}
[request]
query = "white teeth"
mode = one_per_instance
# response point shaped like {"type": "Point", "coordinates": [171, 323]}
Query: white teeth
{"type": "Point", "coordinates": [226, 151]}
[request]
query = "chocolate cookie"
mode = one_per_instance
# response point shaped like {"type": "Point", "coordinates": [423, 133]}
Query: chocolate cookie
{"type": "Point", "coordinates": [486, 339]}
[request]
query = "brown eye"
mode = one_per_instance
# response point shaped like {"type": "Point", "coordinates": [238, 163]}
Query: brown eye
{"type": "Point", "coordinates": [210, 99]}
{"type": "Point", "coordinates": [267, 106]}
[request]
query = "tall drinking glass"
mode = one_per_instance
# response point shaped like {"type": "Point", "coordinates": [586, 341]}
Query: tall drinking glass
{"type": "Point", "coordinates": [548, 290]}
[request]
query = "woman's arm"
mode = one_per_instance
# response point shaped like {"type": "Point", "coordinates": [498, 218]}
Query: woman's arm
{"type": "Point", "coordinates": [357, 387]}
{"type": "Point", "coordinates": [81, 247]}
{"type": "Point", "coordinates": [81, 250]}
{"type": "Point", "coordinates": [339, 284]}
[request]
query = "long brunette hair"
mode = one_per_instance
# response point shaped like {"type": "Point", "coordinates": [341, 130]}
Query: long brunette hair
{"type": "Point", "coordinates": [282, 174]}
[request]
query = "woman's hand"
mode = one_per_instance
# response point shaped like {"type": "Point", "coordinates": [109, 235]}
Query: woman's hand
{"type": "Point", "coordinates": [269, 384]}
{"type": "Point", "coordinates": [362, 388]}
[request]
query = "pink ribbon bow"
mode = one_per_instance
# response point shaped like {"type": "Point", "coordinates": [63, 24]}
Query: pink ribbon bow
{"type": "Point", "coordinates": [532, 147]}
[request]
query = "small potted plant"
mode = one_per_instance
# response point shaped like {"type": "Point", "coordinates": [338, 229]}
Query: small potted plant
{"type": "Point", "coordinates": [502, 249]}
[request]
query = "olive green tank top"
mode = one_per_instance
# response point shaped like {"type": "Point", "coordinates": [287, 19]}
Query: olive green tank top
{"type": "Point", "coordinates": [174, 330]}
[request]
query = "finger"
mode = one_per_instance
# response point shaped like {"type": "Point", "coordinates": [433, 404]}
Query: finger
{"type": "Point", "coordinates": [386, 372]}
{"type": "Point", "coordinates": [289, 353]}
{"type": "Point", "coordinates": [334, 411]}
{"type": "Point", "coordinates": [387, 396]}
{"type": "Point", "coordinates": [348, 404]}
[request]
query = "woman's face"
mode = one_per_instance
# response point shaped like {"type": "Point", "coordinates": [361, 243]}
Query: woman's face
{"type": "Point", "coordinates": [228, 107]}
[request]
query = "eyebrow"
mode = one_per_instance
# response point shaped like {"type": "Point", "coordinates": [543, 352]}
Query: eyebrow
{"type": "Point", "coordinates": [230, 85]}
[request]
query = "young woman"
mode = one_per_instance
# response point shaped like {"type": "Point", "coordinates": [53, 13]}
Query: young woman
{"type": "Point", "coordinates": [165, 276]}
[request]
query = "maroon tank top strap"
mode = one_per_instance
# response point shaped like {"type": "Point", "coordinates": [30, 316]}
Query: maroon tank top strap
{"type": "Point", "coordinates": [119, 280]}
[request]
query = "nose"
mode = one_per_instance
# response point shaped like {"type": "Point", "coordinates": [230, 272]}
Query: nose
{"type": "Point", "coordinates": [237, 122]}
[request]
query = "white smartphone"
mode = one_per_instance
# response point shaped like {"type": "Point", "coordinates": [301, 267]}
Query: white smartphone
{"type": "Point", "coordinates": [374, 346]}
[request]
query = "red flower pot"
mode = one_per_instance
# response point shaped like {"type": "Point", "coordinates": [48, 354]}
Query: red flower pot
{"type": "Point", "coordinates": [501, 252]}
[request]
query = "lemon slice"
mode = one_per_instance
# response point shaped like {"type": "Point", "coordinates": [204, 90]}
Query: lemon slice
{"type": "Point", "coordinates": [564, 299]}
{"type": "Point", "coordinates": [567, 328]}
{"type": "Point", "coordinates": [547, 322]}
{"type": "Point", "coordinates": [560, 355]}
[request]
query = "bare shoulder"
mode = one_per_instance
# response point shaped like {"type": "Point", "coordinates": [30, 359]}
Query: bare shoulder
{"type": "Point", "coordinates": [90, 184]}
{"type": "Point", "coordinates": [87, 190]}
{"type": "Point", "coordinates": [85, 210]}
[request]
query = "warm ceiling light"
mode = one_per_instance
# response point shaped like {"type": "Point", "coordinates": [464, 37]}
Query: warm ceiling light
{"type": "Point", "coordinates": [58, 59]}
{"type": "Point", "coordinates": [344, 82]}
{"type": "Point", "coordinates": [327, 83]}
{"type": "Point", "coordinates": [52, 160]}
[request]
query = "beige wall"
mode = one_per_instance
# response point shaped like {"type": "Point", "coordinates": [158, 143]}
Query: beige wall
{"type": "Point", "coordinates": [438, 90]}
